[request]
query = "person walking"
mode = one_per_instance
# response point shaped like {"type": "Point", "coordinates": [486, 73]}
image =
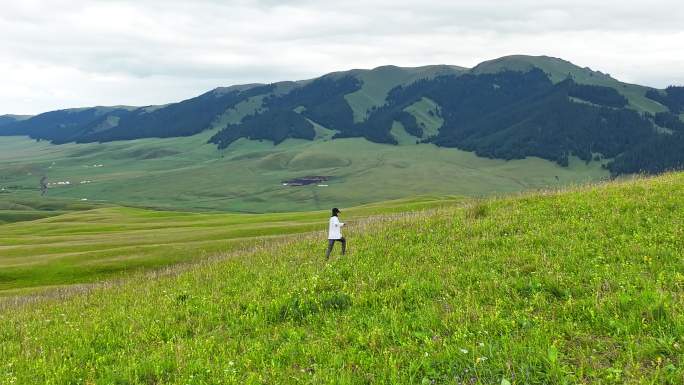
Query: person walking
{"type": "Point", "coordinates": [335, 233]}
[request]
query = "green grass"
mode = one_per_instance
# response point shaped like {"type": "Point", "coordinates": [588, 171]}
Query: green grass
{"type": "Point", "coordinates": [583, 286]}
{"type": "Point", "coordinates": [188, 174]}
{"type": "Point", "coordinates": [401, 135]}
{"type": "Point", "coordinates": [379, 81]}
{"type": "Point", "coordinates": [13, 209]}
{"type": "Point", "coordinates": [109, 242]}
{"type": "Point", "coordinates": [242, 109]}
{"type": "Point", "coordinates": [11, 216]}
{"type": "Point", "coordinates": [425, 112]}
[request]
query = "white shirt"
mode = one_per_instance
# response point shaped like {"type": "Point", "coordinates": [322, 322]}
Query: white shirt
{"type": "Point", "coordinates": [334, 229]}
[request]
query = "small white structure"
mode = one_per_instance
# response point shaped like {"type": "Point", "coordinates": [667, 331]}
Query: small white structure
{"type": "Point", "coordinates": [61, 183]}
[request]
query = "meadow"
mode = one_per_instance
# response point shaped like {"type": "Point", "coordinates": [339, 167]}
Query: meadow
{"type": "Point", "coordinates": [93, 244]}
{"type": "Point", "coordinates": [584, 285]}
{"type": "Point", "coordinates": [17, 209]}
{"type": "Point", "coordinates": [190, 175]}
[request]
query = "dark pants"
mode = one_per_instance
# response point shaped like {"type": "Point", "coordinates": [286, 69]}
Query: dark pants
{"type": "Point", "coordinates": [331, 243]}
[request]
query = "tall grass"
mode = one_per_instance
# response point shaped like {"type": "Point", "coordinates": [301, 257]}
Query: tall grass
{"type": "Point", "coordinates": [584, 286]}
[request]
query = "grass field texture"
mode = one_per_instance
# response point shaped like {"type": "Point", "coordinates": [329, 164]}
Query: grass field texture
{"type": "Point", "coordinates": [583, 286]}
{"type": "Point", "coordinates": [88, 246]}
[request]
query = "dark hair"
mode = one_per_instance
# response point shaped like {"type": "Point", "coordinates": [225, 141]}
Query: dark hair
{"type": "Point", "coordinates": [335, 211]}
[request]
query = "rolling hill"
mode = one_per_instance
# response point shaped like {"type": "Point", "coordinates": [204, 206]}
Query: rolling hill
{"type": "Point", "coordinates": [510, 124]}
{"type": "Point", "coordinates": [509, 108]}
{"type": "Point", "coordinates": [582, 286]}
{"type": "Point", "coordinates": [8, 119]}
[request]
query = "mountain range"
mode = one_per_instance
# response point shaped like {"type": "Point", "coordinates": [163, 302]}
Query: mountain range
{"type": "Point", "coordinates": [508, 108]}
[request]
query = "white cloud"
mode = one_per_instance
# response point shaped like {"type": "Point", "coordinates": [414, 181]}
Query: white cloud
{"type": "Point", "coordinates": [68, 53]}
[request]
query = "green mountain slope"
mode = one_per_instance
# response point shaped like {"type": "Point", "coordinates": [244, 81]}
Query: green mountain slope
{"type": "Point", "coordinates": [583, 286]}
{"type": "Point", "coordinates": [559, 69]}
{"type": "Point", "coordinates": [378, 82]}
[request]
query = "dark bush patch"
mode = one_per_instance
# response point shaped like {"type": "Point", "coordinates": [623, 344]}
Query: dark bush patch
{"type": "Point", "coordinates": [182, 298]}
{"type": "Point", "coordinates": [530, 288]}
{"type": "Point", "coordinates": [300, 306]}
{"type": "Point", "coordinates": [336, 301]}
{"type": "Point", "coordinates": [477, 211]}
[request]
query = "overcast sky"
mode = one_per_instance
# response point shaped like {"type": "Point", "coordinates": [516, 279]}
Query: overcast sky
{"type": "Point", "coordinates": [71, 53]}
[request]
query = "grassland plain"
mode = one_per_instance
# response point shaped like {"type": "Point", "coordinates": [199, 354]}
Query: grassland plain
{"type": "Point", "coordinates": [189, 174]}
{"type": "Point", "coordinates": [581, 286]}
{"type": "Point", "coordinates": [88, 246]}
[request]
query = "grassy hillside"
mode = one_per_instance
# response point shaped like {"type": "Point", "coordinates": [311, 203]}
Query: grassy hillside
{"type": "Point", "coordinates": [584, 286]}
{"type": "Point", "coordinates": [18, 210]}
{"type": "Point", "coordinates": [426, 112]}
{"type": "Point", "coordinates": [188, 174]}
{"type": "Point", "coordinates": [379, 81]}
{"type": "Point", "coordinates": [88, 246]}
